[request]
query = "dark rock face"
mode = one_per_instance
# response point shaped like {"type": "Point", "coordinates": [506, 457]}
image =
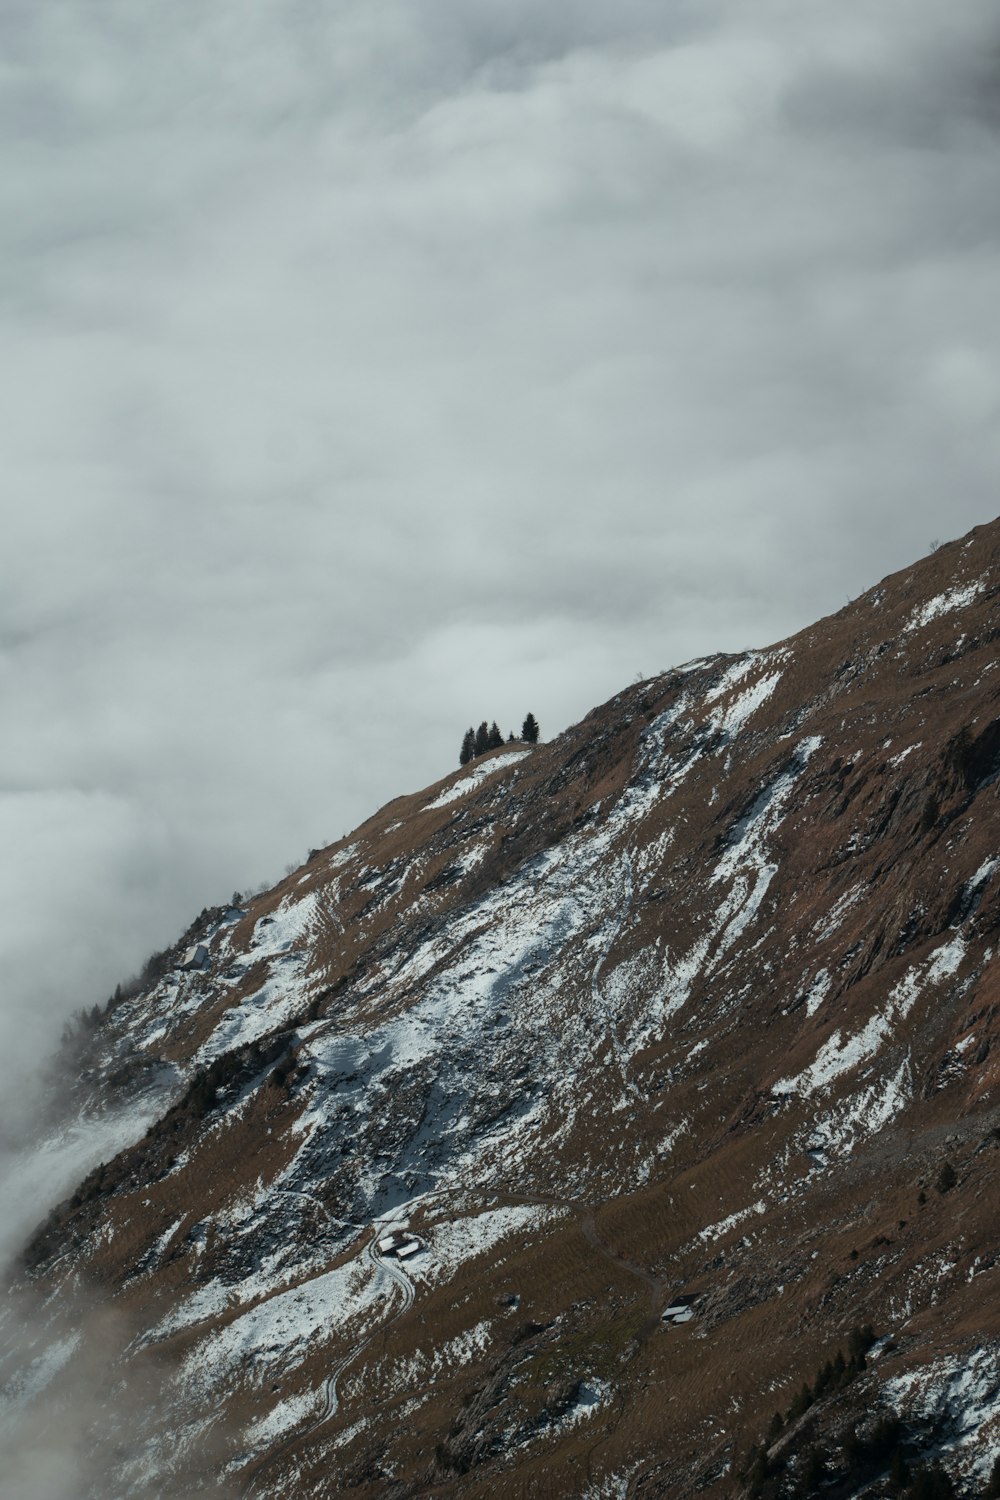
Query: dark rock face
{"type": "Point", "coordinates": [698, 1001]}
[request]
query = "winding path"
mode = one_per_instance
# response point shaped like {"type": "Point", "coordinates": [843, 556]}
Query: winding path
{"type": "Point", "coordinates": [400, 1278]}
{"type": "Point", "coordinates": [382, 1268]}
{"type": "Point", "coordinates": [657, 1285]}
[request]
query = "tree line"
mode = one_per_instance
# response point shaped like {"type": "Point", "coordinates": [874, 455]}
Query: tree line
{"type": "Point", "coordinates": [488, 737]}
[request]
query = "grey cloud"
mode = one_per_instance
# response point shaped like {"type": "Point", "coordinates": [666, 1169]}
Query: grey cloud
{"type": "Point", "coordinates": [70, 1425]}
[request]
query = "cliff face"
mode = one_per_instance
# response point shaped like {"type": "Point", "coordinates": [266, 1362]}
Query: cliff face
{"type": "Point", "coordinates": [697, 1006]}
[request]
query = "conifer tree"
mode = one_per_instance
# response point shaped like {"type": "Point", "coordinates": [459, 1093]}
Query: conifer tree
{"type": "Point", "coordinates": [899, 1472]}
{"type": "Point", "coordinates": [482, 738]}
{"type": "Point", "coordinates": [529, 730]}
{"type": "Point", "coordinates": [495, 739]}
{"type": "Point", "coordinates": [468, 747]}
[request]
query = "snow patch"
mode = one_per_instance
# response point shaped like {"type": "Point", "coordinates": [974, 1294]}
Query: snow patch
{"type": "Point", "coordinates": [423, 1368]}
{"type": "Point", "coordinates": [818, 991]}
{"type": "Point", "coordinates": [285, 1414]}
{"type": "Point", "coordinates": [827, 925]}
{"type": "Point", "coordinates": [732, 720]}
{"type": "Point", "coordinates": [964, 1392]}
{"type": "Point", "coordinates": [590, 1396]}
{"type": "Point", "coordinates": [282, 939]}
{"type": "Point", "coordinates": [611, 1486]}
{"type": "Point", "coordinates": [762, 818]}
{"type": "Point", "coordinates": [733, 675]}
{"type": "Point", "coordinates": [716, 1231]}
{"type": "Point", "coordinates": [468, 783]}
{"type": "Point", "coordinates": [981, 876]}
{"type": "Point", "coordinates": [863, 1114]}
{"type": "Point", "coordinates": [278, 1333]}
{"type": "Point", "coordinates": [953, 598]}
{"type": "Point", "coordinates": [454, 1242]}
{"type": "Point", "coordinates": [744, 864]}
{"type": "Point", "coordinates": [840, 1055]}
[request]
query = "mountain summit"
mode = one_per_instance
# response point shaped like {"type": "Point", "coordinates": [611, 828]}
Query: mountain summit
{"type": "Point", "coordinates": [618, 1117]}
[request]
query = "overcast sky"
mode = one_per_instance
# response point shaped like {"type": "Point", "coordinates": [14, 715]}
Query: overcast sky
{"type": "Point", "coordinates": [371, 367]}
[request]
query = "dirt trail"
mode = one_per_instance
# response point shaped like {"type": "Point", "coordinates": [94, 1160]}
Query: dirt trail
{"type": "Point", "coordinates": [399, 1278]}
{"type": "Point", "coordinates": [657, 1286]}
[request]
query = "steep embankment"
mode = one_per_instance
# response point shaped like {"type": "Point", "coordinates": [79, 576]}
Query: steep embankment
{"type": "Point", "coordinates": [696, 1002]}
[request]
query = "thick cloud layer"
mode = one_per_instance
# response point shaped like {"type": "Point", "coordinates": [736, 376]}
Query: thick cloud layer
{"type": "Point", "coordinates": [374, 367]}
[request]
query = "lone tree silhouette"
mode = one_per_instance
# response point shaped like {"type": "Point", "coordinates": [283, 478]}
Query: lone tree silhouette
{"type": "Point", "coordinates": [529, 730]}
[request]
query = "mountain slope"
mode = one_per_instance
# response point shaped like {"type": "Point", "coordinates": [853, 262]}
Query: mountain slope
{"type": "Point", "coordinates": [691, 1007]}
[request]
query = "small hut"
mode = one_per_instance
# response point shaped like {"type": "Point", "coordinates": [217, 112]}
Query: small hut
{"type": "Point", "coordinates": [399, 1244]}
{"type": "Point", "coordinates": [681, 1310]}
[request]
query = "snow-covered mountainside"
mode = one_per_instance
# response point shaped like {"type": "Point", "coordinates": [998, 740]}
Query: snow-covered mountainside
{"type": "Point", "coordinates": [546, 1136]}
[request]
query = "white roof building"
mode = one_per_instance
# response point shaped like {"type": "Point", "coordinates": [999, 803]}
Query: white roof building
{"type": "Point", "coordinates": [400, 1244]}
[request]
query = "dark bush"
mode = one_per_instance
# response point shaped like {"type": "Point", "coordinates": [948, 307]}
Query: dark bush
{"type": "Point", "coordinates": [814, 1471]}
{"type": "Point", "coordinates": [201, 1095]}
{"type": "Point", "coordinates": [884, 1437]}
{"type": "Point", "coordinates": [974, 759]}
{"type": "Point", "coordinates": [899, 1472]}
{"type": "Point", "coordinates": [869, 1451]}
{"type": "Point", "coordinates": [801, 1404]}
{"type": "Point", "coordinates": [947, 1178]}
{"type": "Point", "coordinates": [859, 1341]}
{"type": "Point", "coordinates": [761, 1475]}
{"type": "Point", "coordinates": [155, 967]}
{"type": "Point", "coordinates": [931, 1483]}
{"type": "Point", "coordinates": [930, 814]}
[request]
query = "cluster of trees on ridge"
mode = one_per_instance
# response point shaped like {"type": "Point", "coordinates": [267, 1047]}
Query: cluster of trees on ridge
{"type": "Point", "coordinates": [488, 737]}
